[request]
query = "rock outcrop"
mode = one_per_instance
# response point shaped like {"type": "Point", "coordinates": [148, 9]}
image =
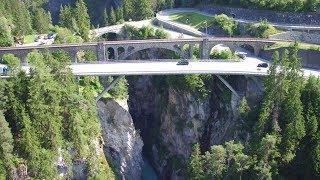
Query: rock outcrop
{"type": "Point", "coordinates": [122, 143]}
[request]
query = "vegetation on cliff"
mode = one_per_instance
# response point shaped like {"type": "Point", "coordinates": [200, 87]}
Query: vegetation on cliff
{"type": "Point", "coordinates": [284, 135]}
{"type": "Point", "coordinates": [48, 120]}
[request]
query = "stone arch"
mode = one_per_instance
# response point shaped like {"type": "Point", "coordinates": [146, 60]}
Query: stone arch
{"type": "Point", "coordinates": [110, 53]}
{"type": "Point", "coordinates": [139, 49]}
{"type": "Point", "coordinates": [121, 50]}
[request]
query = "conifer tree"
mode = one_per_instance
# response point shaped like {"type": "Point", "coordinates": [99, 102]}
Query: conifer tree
{"type": "Point", "coordinates": [195, 165]}
{"type": "Point", "coordinates": [294, 129]}
{"type": "Point", "coordinates": [5, 33]}
{"type": "Point", "coordinates": [42, 21]}
{"type": "Point", "coordinates": [143, 9]}
{"type": "Point", "coordinates": [66, 16]}
{"type": "Point", "coordinates": [22, 19]}
{"type": "Point", "coordinates": [112, 17]}
{"type": "Point", "coordinates": [83, 19]}
{"type": "Point", "coordinates": [128, 9]}
{"type": "Point", "coordinates": [105, 21]}
{"type": "Point", "coordinates": [6, 147]}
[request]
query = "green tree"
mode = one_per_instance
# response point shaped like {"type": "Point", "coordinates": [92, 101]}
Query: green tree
{"type": "Point", "coordinates": [22, 19]}
{"type": "Point", "coordinates": [105, 18]}
{"type": "Point", "coordinates": [119, 14]}
{"type": "Point", "coordinates": [244, 108]}
{"type": "Point", "coordinates": [5, 33]}
{"type": "Point", "coordinates": [41, 21]}
{"type": "Point", "coordinates": [128, 9]}
{"type": "Point", "coordinates": [112, 17]}
{"type": "Point", "coordinates": [6, 147]}
{"type": "Point", "coordinates": [268, 156]}
{"type": "Point", "coordinates": [143, 9]}
{"type": "Point", "coordinates": [294, 129]}
{"type": "Point", "coordinates": [195, 165]}
{"type": "Point", "coordinates": [216, 162]}
{"type": "Point", "coordinates": [83, 19]}
{"type": "Point", "coordinates": [66, 16]}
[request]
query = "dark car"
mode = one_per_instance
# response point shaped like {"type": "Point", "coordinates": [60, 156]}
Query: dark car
{"type": "Point", "coordinates": [263, 65]}
{"type": "Point", "coordinates": [183, 62]}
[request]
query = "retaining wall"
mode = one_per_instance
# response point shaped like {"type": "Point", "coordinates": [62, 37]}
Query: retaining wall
{"type": "Point", "coordinates": [311, 19]}
{"type": "Point", "coordinates": [313, 38]}
{"type": "Point", "coordinates": [177, 27]}
{"type": "Point", "coordinates": [310, 58]}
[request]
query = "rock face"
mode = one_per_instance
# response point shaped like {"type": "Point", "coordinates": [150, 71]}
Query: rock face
{"type": "Point", "coordinates": [123, 144]}
{"type": "Point", "coordinates": [171, 121]}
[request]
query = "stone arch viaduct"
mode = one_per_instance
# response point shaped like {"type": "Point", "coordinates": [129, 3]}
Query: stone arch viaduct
{"type": "Point", "coordinates": [123, 49]}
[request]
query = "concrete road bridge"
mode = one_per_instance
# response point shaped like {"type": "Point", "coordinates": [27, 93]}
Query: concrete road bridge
{"type": "Point", "coordinates": [122, 50]}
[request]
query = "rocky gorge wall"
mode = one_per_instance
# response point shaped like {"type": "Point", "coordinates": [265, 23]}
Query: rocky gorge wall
{"type": "Point", "coordinates": [122, 143]}
{"type": "Point", "coordinates": [171, 120]}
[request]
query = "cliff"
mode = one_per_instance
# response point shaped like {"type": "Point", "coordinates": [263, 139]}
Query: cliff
{"type": "Point", "coordinates": [171, 120]}
{"type": "Point", "coordinates": [122, 143]}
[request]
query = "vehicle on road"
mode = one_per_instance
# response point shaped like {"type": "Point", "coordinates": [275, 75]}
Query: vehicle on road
{"type": "Point", "coordinates": [242, 55]}
{"type": "Point", "coordinates": [51, 35]}
{"type": "Point", "coordinates": [183, 62]}
{"type": "Point", "coordinates": [4, 70]}
{"type": "Point", "coordinates": [263, 65]}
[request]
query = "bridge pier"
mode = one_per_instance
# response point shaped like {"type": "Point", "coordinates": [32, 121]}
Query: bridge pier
{"type": "Point", "coordinates": [101, 52]}
{"type": "Point", "coordinates": [108, 87]}
{"type": "Point", "coordinates": [190, 51]}
{"type": "Point", "coordinates": [73, 56]}
{"type": "Point", "coordinates": [228, 85]}
{"type": "Point", "coordinates": [256, 50]}
{"type": "Point", "coordinates": [205, 49]}
{"type": "Point", "coordinates": [116, 53]}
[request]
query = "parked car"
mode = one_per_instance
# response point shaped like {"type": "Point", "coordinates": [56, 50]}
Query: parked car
{"type": "Point", "coordinates": [263, 65]}
{"type": "Point", "coordinates": [51, 35]}
{"type": "Point", "coordinates": [183, 62]}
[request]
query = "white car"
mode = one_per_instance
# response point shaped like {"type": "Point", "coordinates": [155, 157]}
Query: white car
{"type": "Point", "coordinates": [3, 69]}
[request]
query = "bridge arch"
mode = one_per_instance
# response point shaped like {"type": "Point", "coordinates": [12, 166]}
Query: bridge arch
{"type": "Point", "coordinates": [129, 51]}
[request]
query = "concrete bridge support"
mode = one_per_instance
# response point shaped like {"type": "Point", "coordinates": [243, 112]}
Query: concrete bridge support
{"type": "Point", "coordinates": [108, 87]}
{"type": "Point", "coordinates": [228, 85]}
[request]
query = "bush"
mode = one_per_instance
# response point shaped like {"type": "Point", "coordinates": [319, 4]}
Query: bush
{"type": "Point", "coordinates": [224, 54]}
{"type": "Point", "coordinates": [262, 29]}
{"type": "Point", "coordinates": [226, 23]}
{"type": "Point", "coordinates": [146, 32]}
{"type": "Point", "coordinates": [65, 36]}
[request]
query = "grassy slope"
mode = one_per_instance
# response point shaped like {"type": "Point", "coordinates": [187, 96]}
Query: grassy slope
{"type": "Point", "coordinates": [29, 39]}
{"type": "Point", "coordinates": [193, 19]}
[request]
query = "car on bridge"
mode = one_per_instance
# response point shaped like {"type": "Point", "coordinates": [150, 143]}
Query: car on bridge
{"type": "Point", "coordinates": [263, 65]}
{"type": "Point", "coordinates": [241, 55]}
{"type": "Point", "coordinates": [183, 62]}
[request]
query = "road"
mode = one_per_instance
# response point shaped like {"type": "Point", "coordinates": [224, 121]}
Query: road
{"type": "Point", "coordinates": [131, 67]}
{"type": "Point", "coordinates": [138, 24]}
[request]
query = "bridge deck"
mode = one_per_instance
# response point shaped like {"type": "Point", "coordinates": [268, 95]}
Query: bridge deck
{"type": "Point", "coordinates": [171, 68]}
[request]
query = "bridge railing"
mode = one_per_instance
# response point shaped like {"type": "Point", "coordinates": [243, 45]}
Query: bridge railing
{"type": "Point", "coordinates": [159, 60]}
